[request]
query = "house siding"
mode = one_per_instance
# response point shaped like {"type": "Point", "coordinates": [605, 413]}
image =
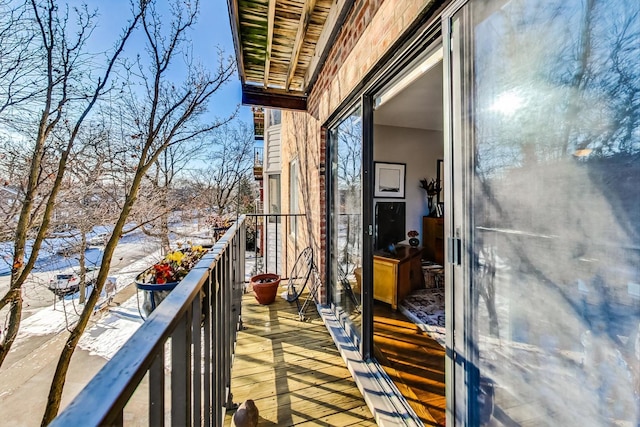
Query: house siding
{"type": "Point", "coordinates": [302, 138]}
{"type": "Point", "coordinates": [272, 150]}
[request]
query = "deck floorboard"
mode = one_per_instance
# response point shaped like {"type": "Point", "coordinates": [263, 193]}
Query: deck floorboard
{"type": "Point", "coordinates": [292, 370]}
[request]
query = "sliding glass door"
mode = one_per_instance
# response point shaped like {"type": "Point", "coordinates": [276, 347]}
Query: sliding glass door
{"type": "Point", "coordinates": [346, 214]}
{"type": "Point", "coordinates": [546, 122]}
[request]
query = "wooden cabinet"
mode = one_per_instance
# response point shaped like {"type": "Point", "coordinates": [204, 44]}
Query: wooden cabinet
{"type": "Point", "coordinates": [396, 275]}
{"type": "Point", "coordinates": [433, 239]}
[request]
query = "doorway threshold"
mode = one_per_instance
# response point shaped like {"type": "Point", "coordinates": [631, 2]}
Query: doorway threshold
{"type": "Point", "coordinates": [383, 398]}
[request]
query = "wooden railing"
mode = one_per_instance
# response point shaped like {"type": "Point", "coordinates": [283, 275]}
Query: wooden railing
{"type": "Point", "coordinates": [197, 325]}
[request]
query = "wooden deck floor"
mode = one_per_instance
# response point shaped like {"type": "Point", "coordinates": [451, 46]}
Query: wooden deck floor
{"type": "Point", "coordinates": [292, 370]}
{"type": "Point", "coordinates": [414, 362]}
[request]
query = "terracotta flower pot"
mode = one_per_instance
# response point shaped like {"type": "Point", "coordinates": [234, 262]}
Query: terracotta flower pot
{"type": "Point", "coordinates": [265, 287]}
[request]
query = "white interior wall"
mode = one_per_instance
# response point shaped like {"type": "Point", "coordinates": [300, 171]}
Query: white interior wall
{"type": "Point", "coordinates": [419, 149]}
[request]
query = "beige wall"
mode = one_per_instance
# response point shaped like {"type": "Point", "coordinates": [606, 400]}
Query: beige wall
{"type": "Point", "coordinates": [301, 139]}
{"type": "Point", "coordinates": [418, 149]}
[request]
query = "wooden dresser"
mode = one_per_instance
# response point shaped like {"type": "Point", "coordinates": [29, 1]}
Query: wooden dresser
{"type": "Point", "coordinates": [433, 239]}
{"type": "Point", "coordinates": [396, 275]}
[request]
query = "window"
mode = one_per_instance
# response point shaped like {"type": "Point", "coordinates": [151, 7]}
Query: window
{"type": "Point", "coordinates": [274, 194]}
{"type": "Point", "coordinates": [551, 151]}
{"type": "Point", "coordinates": [273, 117]}
{"type": "Point", "coordinates": [274, 197]}
{"type": "Point", "coordinates": [346, 218]}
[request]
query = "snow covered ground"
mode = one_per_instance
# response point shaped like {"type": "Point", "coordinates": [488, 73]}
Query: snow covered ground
{"type": "Point", "coordinates": [110, 333]}
{"type": "Point", "coordinates": [64, 312]}
{"type": "Point", "coordinates": [45, 314]}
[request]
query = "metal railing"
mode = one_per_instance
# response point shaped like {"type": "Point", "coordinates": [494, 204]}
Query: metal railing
{"type": "Point", "coordinates": [258, 162]}
{"type": "Point", "coordinates": [258, 156]}
{"type": "Point", "coordinates": [198, 321]}
{"type": "Point", "coordinates": [269, 251]}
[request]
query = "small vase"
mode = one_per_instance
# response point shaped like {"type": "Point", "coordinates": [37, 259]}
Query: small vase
{"type": "Point", "coordinates": [414, 242]}
{"type": "Point", "coordinates": [433, 211]}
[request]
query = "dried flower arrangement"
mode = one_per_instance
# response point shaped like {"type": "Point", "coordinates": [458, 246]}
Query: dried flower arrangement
{"type": "Point", "coordinates": [431, 186]}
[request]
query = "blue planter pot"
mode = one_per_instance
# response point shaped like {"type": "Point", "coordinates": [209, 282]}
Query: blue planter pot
{"type": "Point", "coordinates": [154, 293]}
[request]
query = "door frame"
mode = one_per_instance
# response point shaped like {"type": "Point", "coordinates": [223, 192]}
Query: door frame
{"type": "Point", "coordinates": [426, 37]}
{"type": "Point", "coordinates": [461, 365]}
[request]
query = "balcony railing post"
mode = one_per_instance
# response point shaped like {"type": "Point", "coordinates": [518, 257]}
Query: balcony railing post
{"type": "Point", "coordinates": [156, 390]}
{"type": "Point", "coordinates": [287, 231]}
{"type": "Point", "coordinates": [181, 373]}
{"type": "Point", "coordinates": [235, 264]}
{"type": "Point", "coordinates": [264, 250]}
{"type": "Point", "coordinates": [227, 294]}
{"type": "Point", "coordinates": [206, 332]}
{"type": "Point", "coordinates": [218, 385]}
{"type": "Point", "coordinates": [196, 334]}
{"type": "Point", "coordinates": [276, 243]}
{"type": "Point", "coordinates": [255, 246]}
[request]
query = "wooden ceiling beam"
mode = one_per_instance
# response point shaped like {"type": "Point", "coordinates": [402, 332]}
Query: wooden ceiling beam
{"type": "Point", "coordinates": [305, 17]}
{"type": "Point", "coordinates": [271, 14]}
{"type": "Point", "coordinates": [256, 95]}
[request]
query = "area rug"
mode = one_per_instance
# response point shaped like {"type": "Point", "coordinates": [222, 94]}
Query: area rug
{"type": "Point", "coordinates": [425, 308]}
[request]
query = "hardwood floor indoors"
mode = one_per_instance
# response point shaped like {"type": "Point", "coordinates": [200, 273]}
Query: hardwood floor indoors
{"type": "Point", "coordinates": [413, 360]}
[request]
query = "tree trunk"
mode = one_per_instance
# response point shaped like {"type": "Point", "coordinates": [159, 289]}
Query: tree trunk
{"type": "Point", "coordinates": [83, 268]}
{"type": "Point", "coordinates": [57, 384]}
{"type": "Point", "coordinates": [164, 233]}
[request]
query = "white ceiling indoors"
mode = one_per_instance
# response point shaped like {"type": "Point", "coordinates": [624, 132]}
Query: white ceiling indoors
{"type": "Point", "coordinates": [417, 106]}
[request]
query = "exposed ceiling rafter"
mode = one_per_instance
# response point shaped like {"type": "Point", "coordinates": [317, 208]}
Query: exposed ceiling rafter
{"type": "Point", "coordinates": [275, 41]}
{"type": "Point", "coordinates": [270, 19]}
{"type": "Point", "coordinates": [305, 17]}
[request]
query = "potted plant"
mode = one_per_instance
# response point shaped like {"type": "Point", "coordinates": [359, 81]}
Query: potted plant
{"type": "Point", "coordinates": [162, 277]}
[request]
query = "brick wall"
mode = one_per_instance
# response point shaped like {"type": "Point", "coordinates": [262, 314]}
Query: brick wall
{"type": "Point", "coordinates": [370, 28]}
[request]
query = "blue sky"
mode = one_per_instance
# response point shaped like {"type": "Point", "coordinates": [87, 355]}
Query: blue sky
{"type": "Point", "coordinates": [211, 30]}
{"type": "Point", "coordinates": [214, 28]}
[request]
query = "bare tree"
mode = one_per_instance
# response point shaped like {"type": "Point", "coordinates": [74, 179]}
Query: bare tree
{"type": "Point", "coordinates": [13, 163]}
{"type": "Point", "coordinates": [229, 160]}
{"type": "Point", "coordinates": [165, 115]}
{"type": "Point", "coordinates": [20, 76]}
{"type": "Point", "coordinates": [65, 100]}
{"type": "Point", "coordinates": [85, 199]}
{"type": "Point", "coordinates": [163, 197]}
